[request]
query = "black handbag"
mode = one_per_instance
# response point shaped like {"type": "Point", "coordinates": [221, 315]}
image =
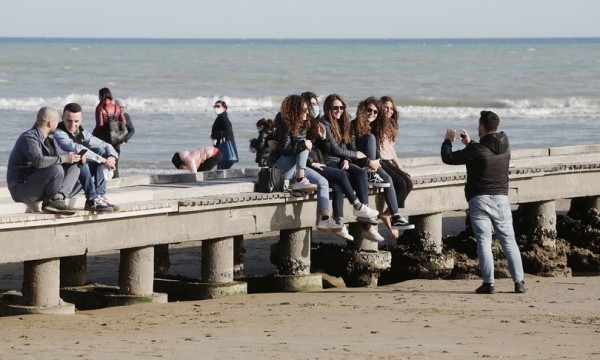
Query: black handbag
{"type": "Point", "coordinates": [270, 180]}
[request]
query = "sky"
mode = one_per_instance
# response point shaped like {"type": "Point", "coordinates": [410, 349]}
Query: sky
{"type": "Point", "coordinates": [304, 19]}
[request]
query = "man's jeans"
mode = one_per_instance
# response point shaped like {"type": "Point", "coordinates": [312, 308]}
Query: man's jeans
{"type": "Point", "coordinates": [91, 179]}
{"type": "Point", "coordinates": [486, 211]}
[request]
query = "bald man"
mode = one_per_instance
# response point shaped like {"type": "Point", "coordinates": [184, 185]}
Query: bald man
{"type": "Point", "coordinates": [38, 170]}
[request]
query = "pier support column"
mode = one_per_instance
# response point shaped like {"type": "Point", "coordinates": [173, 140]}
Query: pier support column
{"type": "Point", "coordinates": [364, 263]}
{"type": "Point", "coordinates": [582, 206]}
{"type": "Point", "coordinates": [539, 222]}
{"type": "Point", "coordinates": [217, 260]}
{"type": "Point", "coordinates": [136, 271]}
{"type": "Point", "coordinates": [41, 291]}
{"type": "Point", "coordinates": [238, 257]}
{"type": "Point", "coordinates": [73, 270]}
{"type": "Point", "coordinates": [428, 230]}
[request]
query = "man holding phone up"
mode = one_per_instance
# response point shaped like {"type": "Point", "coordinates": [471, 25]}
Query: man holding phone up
{"type": "Point", "coordinates": [96, 156]}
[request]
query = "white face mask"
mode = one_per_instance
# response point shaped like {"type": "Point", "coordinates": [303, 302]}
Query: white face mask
{"type": "Point", "coordinates": [314, 110]}
{"type": "Point", "coordinates": [219, 110]}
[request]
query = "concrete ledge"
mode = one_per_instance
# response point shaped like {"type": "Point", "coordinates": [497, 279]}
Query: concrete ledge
{"type": "Point", "coordinates": [12, 304]}
{"type": "Point", "coordinates": [95, 296]}
{"type": "Point", "coordinates": [284, 283]}
{"type": "Point", "coordinates": [192, 289]}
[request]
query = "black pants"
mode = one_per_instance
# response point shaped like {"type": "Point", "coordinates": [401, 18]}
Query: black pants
{"type": "Point", "coordinates": [211, 162]}
{"type": "Point", "coordinates": [401, 182]}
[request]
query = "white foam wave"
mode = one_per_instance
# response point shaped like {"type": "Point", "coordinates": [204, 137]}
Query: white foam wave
{"type": "Point", "coordinates": [422, 107]}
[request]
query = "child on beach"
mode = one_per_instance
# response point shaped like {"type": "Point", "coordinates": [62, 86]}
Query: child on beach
{"type": "Point", "coordinates": [259, 145]}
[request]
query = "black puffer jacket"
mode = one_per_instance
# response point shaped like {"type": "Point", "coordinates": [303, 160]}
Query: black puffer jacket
{"type": "Point", "coordinates": [487, 164]}
{"type": "Point", "coordinates": [286, 143]}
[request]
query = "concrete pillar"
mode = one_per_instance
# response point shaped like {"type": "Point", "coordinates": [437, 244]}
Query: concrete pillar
{"type": "Point", "coordinates": [136, 271]}
{"type": "Point", "coordinates": [238, 257]}
{"type": "Point", "coordinates": [292, 253]}
{"type": "Point", "coordinates": [355, 229]}
{"type": "Point", "coordinates": [162, 263]}
{"type": "Point", "coordinates": [429, 230]}
{"type": "Point", "coordinates": [217, 260]}
{"type": "Point", "coordinates": [41, 283]}
{"type": "Point", "coordinates": [582, 205]}
{"type": "Point", "coordinates": [539, 219]}
{"type": "Point", "coordinates": [73, 271]}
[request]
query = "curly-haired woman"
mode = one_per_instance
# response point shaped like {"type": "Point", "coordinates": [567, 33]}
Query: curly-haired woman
{"type": "Point", "coordinates": [291, 125]}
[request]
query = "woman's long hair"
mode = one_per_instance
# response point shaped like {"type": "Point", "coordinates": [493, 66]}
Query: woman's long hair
{"type": "Point", "coordinates": [387, 128]}
{"type": "Point", "coordinates": [292, 111]}
{"type": "Point", "coordinates": [340, 128]}
{"type": "Point", "coordinates": [104, 94]}
{"type": "Point", "coordinates": [363, 126]}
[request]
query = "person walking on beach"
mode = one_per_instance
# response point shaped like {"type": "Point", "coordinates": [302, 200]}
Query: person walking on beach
{"type": "Point", "coordinates": [98, 156]}
{"type": "Point", "coordinates": [38, 170]}
{"type": "Point", "coordinates": [223, 131]}
{"type": "Point", "coordinates": [486, 191]}
{"type": "Point", "coordinates": [109, 115]}
{"type": "Point", "coordinates": [129, 134]}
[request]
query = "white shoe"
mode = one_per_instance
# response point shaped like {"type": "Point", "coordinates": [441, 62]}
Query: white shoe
{"type": "Point", "coordinates": [365, 212]}
{"type": "Point", "coordinates": [345, 234]}
{"type": "Point", "coordinates": [372, 234]}
{"type": "Point", "coordinates": [303, 185]}
{"type": "Point", "coordinates": [329, 226]}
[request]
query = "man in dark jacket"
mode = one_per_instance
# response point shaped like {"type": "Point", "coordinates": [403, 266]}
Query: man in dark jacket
{"type": "Point", "coordinates": [486, 191]}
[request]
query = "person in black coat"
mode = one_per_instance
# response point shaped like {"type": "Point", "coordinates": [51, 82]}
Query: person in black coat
{"type": "Point", "coordinates": [222, 129]}
{"type": "Point", "coordinates": [259, 145]}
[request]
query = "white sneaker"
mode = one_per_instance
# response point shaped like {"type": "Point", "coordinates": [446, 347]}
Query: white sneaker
{"type": "Point", "coordinates": [372, 234]}
{"type": "Point", "coordinates": [345, 234]}
{"type": "Point", "coordinates": [365, 212]}
{"type": "Point", "coordinates": [303, 185]}
{"type": "Point", "coordinates": [329, 226]}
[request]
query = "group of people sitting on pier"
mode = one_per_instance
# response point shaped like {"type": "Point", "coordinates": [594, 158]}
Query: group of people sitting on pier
{"type": "Point", "coordinates": [317, 150]}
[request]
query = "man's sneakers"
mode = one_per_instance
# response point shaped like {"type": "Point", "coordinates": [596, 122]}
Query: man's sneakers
{"type": "Point", "coordinates": [520, 287]}
{"type": "Point", "coordinates": [57, 206]}
{"type": "Point", "coordinates": [303, 185]}
{"type": "Point", "coordinates": [113, 206]}
{"type": "Point", "coordinates": [372, 234]}
{"type": "Point", "coordinates": [329, 226]}
{"type": "Point", "coordinates": [376, 181]}
{"type": "Point", "coordinates": [365, 212]}
{"type": "Point", "coordinates": [401, 223]}
{"type": "Point", "coordinates": [98, 205]}
{"type": "Point", "coordinates": [486, 288]}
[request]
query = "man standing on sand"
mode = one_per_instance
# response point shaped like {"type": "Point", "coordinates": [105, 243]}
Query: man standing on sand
{"type": "Point", "coordinates": [38, 170]}
{"type": "Point", "coordinates": [486, 191]}
{"type": "Point", "coordinates": [99, 155]}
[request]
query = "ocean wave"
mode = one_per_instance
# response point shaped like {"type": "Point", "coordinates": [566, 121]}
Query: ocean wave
{"type": "Point", "coordinates": [414, 107]}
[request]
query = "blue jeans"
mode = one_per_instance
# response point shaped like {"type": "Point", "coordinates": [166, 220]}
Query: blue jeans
{"type": "Point", "coordinates": [368, 145]}
{"type": "Point", "coordinates": [91, 179]}
{"type": "Point", "coordinates": [486, 211]}
{"type": "Point", "coordinates": [340, 183]}
{"type": "Point", "coordinates": [289, 164]}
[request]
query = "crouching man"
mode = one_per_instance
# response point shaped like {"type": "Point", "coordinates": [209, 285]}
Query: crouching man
{"type": "Point", "coordinates": [97, 156]}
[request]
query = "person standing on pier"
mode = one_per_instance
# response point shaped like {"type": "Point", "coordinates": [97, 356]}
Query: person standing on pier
{"type": "Point", "coordinates": [486, 191]}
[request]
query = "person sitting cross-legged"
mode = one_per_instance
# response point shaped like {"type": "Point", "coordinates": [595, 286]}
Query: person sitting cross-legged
{"type": "Point", "coordinates": [100, 155]}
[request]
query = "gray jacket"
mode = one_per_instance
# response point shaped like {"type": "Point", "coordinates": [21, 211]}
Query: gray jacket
{"type": "Point", "coordinates": [97, 149]}
{"type": "Point", "coordinates": [31, 152]}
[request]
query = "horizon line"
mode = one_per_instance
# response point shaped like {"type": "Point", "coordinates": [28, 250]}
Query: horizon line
{"type": "Point", "coordinates": [301, 39]}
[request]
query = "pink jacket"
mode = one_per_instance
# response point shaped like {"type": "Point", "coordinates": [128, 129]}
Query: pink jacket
{"type": "Point", "coordinates": [193, 159]}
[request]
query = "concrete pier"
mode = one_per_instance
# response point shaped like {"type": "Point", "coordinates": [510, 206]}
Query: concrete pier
{"type": "Point", "coordinates": [539, 222]}
{"type": "Point", "coordinates": [136, 271]}
{"type": "Point", "coordinates": [217, 260]}
{"type": "Point", "coordinates": [428, 230]}
{"type": "Point", "coordinates": [364, 262]}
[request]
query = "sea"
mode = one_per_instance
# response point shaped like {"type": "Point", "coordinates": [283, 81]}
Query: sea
{"type": "Point", "coordinates": [546, 91]}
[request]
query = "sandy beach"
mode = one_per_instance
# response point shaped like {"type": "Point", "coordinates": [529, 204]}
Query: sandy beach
{"type": "Point", "coordinates": [418, 319]}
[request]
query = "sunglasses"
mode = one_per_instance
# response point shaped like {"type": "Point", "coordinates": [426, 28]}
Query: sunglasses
{"type": "Point", "coordinates": [369, 111]}
{"type": "Point", "coordinates": [336, 108]}
{"type": "Point", "coordinates": [217, 106]}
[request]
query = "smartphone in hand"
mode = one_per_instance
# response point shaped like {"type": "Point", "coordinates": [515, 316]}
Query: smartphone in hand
{"type": "Point", "coordinates": [81, 153]}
